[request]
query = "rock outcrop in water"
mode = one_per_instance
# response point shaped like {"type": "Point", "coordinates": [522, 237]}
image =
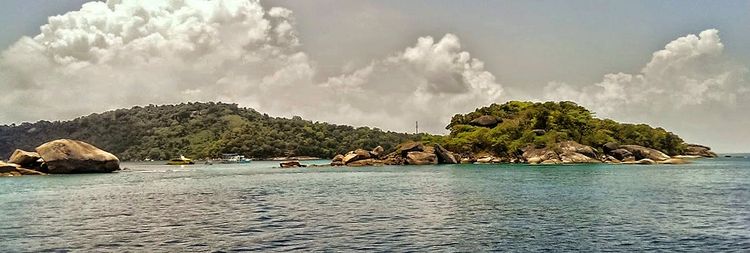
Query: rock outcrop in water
{"type": "Point", "coordinates": [60, 157]}
{"type": "Point", "coordinates": [699, 150]}
{"type": "Point", "coordinates": [70, 156]}
{"type": "Point", "coordinates": [24, 157]}
{"type": "Point", "coordinates": [408, 153]}
{"type": "Point", "coordinates": [13, 170]}
{"type": "Point", "coordinates": [291, 164]}
{"type": "Point", "coordinates": [566, 152]}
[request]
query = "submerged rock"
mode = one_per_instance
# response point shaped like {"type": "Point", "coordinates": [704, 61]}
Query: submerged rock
{"type": "Point", "coordinates": [70, 156]}
{"type": "Point", "coordinates": [291, 164]}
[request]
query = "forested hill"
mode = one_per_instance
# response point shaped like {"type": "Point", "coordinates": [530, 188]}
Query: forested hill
{"type": "Point", "coordinates": [504, 129]}
{"type": "Point", "coordinates": [198, 130]}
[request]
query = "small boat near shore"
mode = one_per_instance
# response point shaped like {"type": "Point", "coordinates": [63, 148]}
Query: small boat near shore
{"type": "Point", "coordinates": [180, 161]}
{"type": "Point", "coordinates": [234, 158]}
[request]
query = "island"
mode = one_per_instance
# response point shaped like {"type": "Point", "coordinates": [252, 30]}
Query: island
{"type": "Point", "coordinates": [535, 133]}
{"type": "Point", "coordinates": [512, 132]}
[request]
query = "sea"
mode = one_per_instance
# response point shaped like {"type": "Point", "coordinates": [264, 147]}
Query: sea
{"type": "Point", "coordinates": [703, 206]}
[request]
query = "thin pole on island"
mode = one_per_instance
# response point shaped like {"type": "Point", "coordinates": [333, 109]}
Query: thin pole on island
{"type": "Point", "coordinates": [417, 128]}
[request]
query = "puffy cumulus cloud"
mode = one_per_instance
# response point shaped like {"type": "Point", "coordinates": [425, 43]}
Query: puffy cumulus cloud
{"type": "Point", "coordinates": [428, 82]}
{"type": "Point", "coordinates": [689, 72]}
{"type": "Point", "coordinates": [127, 52]}
{"type": "Point", "coordinates": [689, 87]}
{"type": "Point", "coordinates": [134, 52]}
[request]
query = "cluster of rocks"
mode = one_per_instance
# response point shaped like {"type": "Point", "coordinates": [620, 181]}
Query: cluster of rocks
{"type": "Point", "coordinates": [570, 152]}
{"type": "Point", "coordinates": [60, 157]}
{"type": "Point", "coordinates": [699, 151]}
{"type": "Point", "coordinates": [567, 152]}
{"type": "Point", "coordinates": [409, 153]}
{"type": "Point", "coordinates": [634, 154]}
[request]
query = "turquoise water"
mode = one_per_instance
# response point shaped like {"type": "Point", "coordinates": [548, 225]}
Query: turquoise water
{"type": "Point", "coordinates": [700, 207]}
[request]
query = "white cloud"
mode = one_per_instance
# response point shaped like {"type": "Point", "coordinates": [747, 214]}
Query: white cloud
{"type": "Point", "coordinates": [690, 71]}
{"type": "Point", "coordinates": [121, 53]}
{"type": "Point", "coordinates": [427, 83]}
{"type": "Point", "coordinates": [129, 52]}
{"type": "Point", "coordinates": [689, 87]}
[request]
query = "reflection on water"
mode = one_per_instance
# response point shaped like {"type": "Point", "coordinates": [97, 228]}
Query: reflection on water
{"type": "Point", "coordinates": [704, 206]}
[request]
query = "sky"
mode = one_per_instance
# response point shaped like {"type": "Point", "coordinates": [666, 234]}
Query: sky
{"type": "Point", "coordinates": [681, 65]}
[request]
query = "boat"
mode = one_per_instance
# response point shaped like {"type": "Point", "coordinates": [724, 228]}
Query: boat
{"type": "Point", "coordinates": [180, 161]}
{"type": "Point", "coordinates": [234, 158]}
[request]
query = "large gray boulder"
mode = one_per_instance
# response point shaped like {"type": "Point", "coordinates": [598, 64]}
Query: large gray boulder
{"type": "Point", "coordinates": [421, 158]}
{"type": "Point", "coordinates": [622, 155]}
{"type": "Point", "coordinates": [609, 146]}
{"type": "Point", "coordinates": [444, 156]}
{"type": "Point", "coordinates": [575, 147]}
{"type": "Point", "coordinates": [573, 157]}
{"type": "Point", "coordinates": [410, 146]}
{"type": "Point", "coordinates": [541, 156]}
{"type": "Point", "coordinates": [486, 121]}
{"type": "Point", "coordinates": [566, 152]}
{"type": "Point", "coordinates": [377, 151]}
{"type": "Point", "coordinates": [338, 160]}
{"type": "Point", "coordinates": [359, 154]}
{"type": "Point", "coordinates": [71, 156]}
{"type": "Point", "coordinates": [641, 153]}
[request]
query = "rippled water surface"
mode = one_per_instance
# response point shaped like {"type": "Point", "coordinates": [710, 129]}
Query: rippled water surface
{"type": "Point", "coordinates": [703, 206]}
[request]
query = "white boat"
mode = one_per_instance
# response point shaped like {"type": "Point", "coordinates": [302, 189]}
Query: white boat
{"type": "Point", "coordinates": [234, 158]}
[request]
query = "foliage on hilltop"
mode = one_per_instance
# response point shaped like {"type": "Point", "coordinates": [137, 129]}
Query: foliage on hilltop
{"type": "Point", "coordinates": [524, 124]}
{"type": "Point", "coordinates": [199, 130]}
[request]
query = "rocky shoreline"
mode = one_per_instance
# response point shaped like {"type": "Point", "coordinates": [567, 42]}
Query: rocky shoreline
{"type": "Point", "coordinates": [567, 152]}
{"type": "Point", "coordinates": [62, 156]}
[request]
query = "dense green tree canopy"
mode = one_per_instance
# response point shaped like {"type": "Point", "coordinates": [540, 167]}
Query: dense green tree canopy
{"type": "Point", "coordinates": [544, 124]}
{"type": "Point", "coordinates": [198, 130]}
